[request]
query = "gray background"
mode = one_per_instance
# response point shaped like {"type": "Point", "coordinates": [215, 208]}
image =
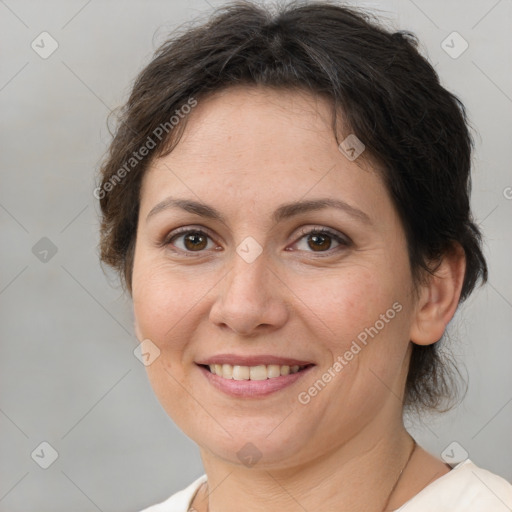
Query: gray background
{"type": "Point", "coordinates": [68, 375]}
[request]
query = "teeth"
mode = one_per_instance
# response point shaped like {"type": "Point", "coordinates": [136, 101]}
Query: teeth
{"type": "Point", "coordinates": [273, 370]}
{"type": "Point", "coordinates": [227, 371]}
{"type": "Point", "coordinates": [260, 372]}
{"type": "Point", "coordinates": [240, 372]}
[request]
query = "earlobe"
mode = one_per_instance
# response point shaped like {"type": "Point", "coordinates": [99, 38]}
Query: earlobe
{"type": "Point", "coordinates": [439, 298]}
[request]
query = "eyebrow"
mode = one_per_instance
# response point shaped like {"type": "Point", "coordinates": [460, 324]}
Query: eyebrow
{"type": "Point", "coordinates": [285, 211]}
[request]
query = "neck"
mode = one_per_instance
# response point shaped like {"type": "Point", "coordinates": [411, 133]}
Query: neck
{"type": "Point", "coordinates": [360, 474]}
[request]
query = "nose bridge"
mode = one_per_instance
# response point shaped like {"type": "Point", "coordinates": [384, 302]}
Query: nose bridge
{"type": "Point", "coordinates": [248, 269]}
{"type": "Point", "coordinates": [248, 279]}
{"type": "Point", "coordinates": [249, 295]}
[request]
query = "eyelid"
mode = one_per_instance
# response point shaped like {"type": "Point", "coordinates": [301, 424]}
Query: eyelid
{"type": "Point", "coordinates": [340, 237]}
{"type": "Point", "coordinates": [185, 230]}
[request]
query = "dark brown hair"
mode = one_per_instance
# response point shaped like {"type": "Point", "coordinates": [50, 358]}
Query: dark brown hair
{"type": "Point", "coordinates": [390, 97]}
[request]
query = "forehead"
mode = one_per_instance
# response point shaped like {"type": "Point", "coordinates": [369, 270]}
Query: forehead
{"type": "Point", "coordinates": [251, 123]}
{"type": "Point", "coordinates": [256, 143]}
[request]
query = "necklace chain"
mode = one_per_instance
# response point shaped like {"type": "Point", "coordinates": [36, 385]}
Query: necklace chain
{"type": "Point", "coordinates": [414, 445]}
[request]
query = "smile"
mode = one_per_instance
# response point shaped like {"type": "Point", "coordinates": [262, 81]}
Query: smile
{"type": "Point", "coordinates": [252, 376]}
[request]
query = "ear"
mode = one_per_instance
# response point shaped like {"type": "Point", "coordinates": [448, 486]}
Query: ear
{"type": "Point", "coordinates": [439, 298]}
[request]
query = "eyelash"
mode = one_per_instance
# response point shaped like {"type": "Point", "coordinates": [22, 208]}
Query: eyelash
{"type": "Point", "coordinates": [343, 241]}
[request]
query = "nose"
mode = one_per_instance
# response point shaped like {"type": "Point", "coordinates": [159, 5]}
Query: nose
{"type": "Point", "coordinates": [251, 298]}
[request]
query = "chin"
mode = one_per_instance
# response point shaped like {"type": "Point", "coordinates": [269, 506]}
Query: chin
{"type": "Point", "coordinates": [252, 442]}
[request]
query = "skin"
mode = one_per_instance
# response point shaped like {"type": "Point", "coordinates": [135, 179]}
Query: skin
{"type": "Point", "coordinates": [245, 151]}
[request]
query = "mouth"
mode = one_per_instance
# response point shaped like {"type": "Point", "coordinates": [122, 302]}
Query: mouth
{"type": "Point", "coordinates": [252, 377]}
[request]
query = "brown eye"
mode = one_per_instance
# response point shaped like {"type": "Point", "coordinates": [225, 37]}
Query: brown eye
{"type": "Point", "coordinates": [190, 240]}
{"type": "Point", "coordinates": [195, 241]}
{"type": "Point", "coordinates": [321, 240]}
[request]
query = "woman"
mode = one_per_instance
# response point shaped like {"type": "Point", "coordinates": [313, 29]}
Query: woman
{"type": "Point", "coordinates": [287, 201]}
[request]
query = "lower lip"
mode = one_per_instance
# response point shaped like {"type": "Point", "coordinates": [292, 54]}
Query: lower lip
{"type": "Point", "coordinates": [252, 388]}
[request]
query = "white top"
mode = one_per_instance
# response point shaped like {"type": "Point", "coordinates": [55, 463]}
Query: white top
{"type": "Point", "coordinates": [466, 488]}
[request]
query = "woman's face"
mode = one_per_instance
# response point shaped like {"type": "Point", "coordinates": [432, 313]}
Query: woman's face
{"type": "Point", "coordinates": [249, 287]}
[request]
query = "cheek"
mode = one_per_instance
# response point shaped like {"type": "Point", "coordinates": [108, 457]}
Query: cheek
{"type": "Point", "coordinates": [346, 302]}
{"type": "Point", "coordinates": [163, 296]}
{"type": "Point", "coordinates": [364, 319]}
{"type": "Point", "coordinates": [160, 302]}
{"type": "Point", "coordinates": [169, 303]}
{"type": "Point", "coordinates": [166, 305]}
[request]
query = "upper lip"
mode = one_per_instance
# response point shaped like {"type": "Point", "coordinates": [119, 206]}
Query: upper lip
{"type": "Point", "coordinates": [263, 359]}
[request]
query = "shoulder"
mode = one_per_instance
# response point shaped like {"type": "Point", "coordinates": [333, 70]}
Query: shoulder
{"type": "Point", "coordinates": [466, 488]}
{"type": "Point", "coordinates": [180, 501]}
